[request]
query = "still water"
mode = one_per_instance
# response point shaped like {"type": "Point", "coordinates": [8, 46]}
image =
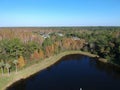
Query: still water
{"type": "Point", "coordinates": [73, 72]}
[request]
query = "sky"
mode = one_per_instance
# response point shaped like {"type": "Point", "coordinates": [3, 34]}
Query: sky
{"type": "Point", "coordinates": [15, 13]}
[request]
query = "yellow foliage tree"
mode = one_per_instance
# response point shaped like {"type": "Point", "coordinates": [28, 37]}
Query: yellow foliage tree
{"type": "Point", "coordinates": [21, 61]}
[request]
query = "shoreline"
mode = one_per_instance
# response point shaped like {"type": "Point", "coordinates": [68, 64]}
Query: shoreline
{"type": "Point", "coordinates": [37, 67]}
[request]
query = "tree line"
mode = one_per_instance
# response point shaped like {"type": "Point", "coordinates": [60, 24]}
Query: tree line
{"type": "Point", "coordinates": [20, 49]}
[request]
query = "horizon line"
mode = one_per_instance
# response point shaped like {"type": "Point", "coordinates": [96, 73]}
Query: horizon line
{"type": "Point", "coordinates": [60, 26]}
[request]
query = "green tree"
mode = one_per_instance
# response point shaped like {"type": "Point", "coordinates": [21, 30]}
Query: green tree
{"type": "Point", "coordinates": [8, 66]}
{"type": "Point", "coordinates": [30, 47]}
{"type": "Point", "coordinates": [15, 62]}
{"type": "Point", "coordinates": [11, 48]}
{"type": "Point", "coordinates": [2, 64]}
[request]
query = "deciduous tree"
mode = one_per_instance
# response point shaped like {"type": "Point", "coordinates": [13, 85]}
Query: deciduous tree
{"type": "Point", "coordinates": [21, 61]}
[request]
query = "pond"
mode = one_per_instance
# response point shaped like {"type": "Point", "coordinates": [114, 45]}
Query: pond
{"type": "Point", "coordinates": [73, 72]}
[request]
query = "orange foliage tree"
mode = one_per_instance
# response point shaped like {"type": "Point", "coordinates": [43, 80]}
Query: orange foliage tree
{"type": "Point", "coordinates": [56, 47]}
{"type": "Point", "coordinates": [49, 50]}
{"type": "Point", "coordinates": [71, 44]}
{"type": "Point", "coordinates": [41, 54]}
{"type": "Point", "coordinates": [35, 55]}
{"type": "Point", "coordinates": [67, 42]}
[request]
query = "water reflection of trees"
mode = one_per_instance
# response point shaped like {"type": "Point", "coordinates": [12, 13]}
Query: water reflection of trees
{"type": "Point", "coordinates": [72, 57]}
{"type": "Point", "coordinates": [109, 69]}
{"type": "Point", "coordinates": [76, 57]}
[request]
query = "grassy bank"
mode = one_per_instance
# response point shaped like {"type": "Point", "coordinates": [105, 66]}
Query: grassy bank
{"type": "Point", "coordinates": [6, 81]}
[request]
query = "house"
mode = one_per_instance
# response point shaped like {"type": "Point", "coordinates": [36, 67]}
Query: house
{"type": "Point", "coordinates": [46, 36]}
{"type": "Point", "coordinates": [60, 34]}
{"type": "Point", "coordinates": [76, 38]}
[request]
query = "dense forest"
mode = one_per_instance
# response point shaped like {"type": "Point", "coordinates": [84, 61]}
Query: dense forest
{"type": "Point", "coordinates": [21, 47]}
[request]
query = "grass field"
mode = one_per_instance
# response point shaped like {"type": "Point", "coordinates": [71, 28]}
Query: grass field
{"type": "Point", "coordinates": [6, 81]}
